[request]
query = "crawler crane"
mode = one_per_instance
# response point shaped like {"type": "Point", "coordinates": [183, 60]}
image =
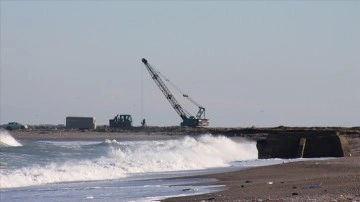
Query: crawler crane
{"type": "Point", "coordinates": [188, 120]}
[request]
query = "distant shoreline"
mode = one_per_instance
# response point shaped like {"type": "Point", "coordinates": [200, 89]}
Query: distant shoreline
{"type": "Point", "coordinates": [106, 132]}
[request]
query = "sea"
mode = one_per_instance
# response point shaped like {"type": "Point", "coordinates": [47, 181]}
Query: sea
{"type": "Point", "coordinates": [122, 169]}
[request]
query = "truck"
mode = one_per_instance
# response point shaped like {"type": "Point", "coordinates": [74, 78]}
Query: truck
{"type": "Point", "coordinates": [80, 123]}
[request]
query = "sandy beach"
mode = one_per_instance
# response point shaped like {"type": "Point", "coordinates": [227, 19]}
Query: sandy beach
{"type": "Point", "coordinates": [335, 179]}
{"type": "Point", "coordinates": [325, 180]}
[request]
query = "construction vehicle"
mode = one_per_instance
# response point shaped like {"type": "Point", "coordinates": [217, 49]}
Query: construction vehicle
{"type": "Point", "coordinates": [188, 120]}
{"type": "Point", "coordinates": [121, 121]}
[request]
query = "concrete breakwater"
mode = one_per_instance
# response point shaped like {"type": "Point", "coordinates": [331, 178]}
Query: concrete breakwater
{"type": "Point", "coordinates": [304, 145]}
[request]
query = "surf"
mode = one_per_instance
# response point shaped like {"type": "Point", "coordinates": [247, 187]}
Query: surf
{"type": "Point", "coordinates": [118, 160]}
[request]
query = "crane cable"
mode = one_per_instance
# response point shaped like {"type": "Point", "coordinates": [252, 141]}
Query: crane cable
{"type": "Point", "coordinates": [178, 89]}
{"type": "Point", "coordinates": [142, 92]}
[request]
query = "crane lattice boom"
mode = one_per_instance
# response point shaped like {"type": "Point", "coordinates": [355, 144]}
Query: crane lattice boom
{"type": "Point", "coordinates": [174, 103]}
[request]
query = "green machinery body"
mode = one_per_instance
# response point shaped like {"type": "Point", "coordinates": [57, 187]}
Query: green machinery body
{"type": "Point", "coordinates": [121, 121]}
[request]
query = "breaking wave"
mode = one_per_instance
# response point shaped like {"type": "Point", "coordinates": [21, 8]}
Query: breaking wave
{"type": "Point", "coordinates": [120, 159]}
{"type": "Point", "coordinates": [6, 140]}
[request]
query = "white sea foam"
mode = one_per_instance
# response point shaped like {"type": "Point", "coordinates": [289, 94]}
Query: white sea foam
{"type": "Point", "coordinates": [124, 158]}
{"type": "Point", "coordinates": [185, 154]}
{"type": "Point", "coordinates": [7, 140]}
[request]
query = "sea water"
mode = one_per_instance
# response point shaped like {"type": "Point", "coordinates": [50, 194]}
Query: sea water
{"type": "Point", "coordinates": [118, 170]}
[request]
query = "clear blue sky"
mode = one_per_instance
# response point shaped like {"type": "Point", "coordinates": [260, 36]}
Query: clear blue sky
{"type": "Point", "coordinates": [248, 63]}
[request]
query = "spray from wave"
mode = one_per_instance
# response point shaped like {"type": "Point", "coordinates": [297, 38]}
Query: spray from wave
{"type": "Point", "coordinates": [120, 159]}
{"type": "Point", "coordinates": [186, 154]}
{"type": "Point", "coordinates": [6, 140]}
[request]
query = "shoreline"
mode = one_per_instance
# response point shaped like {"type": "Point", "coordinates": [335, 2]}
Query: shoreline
{"type": "Point", "coordinates": [322, 180]}
{"type": "Point", "coordinates": [52, 132]}
{"type": "Point", "coordinates": [78, 135]}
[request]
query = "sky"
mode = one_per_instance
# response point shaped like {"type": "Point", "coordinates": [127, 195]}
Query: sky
{"type": "Point", "coordinates": [249, 63]}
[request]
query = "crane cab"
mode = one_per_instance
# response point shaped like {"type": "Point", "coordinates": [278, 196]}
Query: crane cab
{"type": "Point", "coordinates": [194, 122]}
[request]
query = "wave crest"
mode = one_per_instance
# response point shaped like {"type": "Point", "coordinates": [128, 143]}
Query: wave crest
{"type": "Point", "coordinates": [6, 140]}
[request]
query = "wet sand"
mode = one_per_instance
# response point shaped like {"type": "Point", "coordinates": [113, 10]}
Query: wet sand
{"type": "Point", "coordinates": [325, 180]}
